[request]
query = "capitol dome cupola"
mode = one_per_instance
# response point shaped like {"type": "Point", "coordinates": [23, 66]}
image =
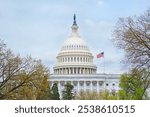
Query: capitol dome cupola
{"type": "Point", "coordinates": [74, 56]}
{"type": "Point", "coordinates": [74, 27]}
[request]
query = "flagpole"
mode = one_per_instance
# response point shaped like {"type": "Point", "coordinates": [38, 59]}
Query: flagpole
{"type": "Point", "coordinates": [100, 55]}
{"type": "Point", "coordinates": [104, 65]}
{"type": "Point", "coordinates": [104, 73]}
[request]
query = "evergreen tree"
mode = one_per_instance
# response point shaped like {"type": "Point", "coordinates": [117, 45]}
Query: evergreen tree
{"type": "Point", "coordinates": [54, 92]}
{"type": "Point", "coordinates": [68, 92]}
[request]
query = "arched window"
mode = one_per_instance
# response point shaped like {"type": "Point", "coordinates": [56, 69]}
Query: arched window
{"type": "Point", "coordinates": [65, 59]}
{"type": "Point", "coordinates": [83, 59]}
{"type": "Point", "coordinates": [74, 59]}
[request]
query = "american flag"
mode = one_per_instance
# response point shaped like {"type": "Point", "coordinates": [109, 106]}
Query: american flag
{"type": "Point", "coordinates": [100, 55]}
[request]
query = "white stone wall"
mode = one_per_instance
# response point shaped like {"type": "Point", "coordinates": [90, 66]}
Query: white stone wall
{"type": "Point", "coordinates": [97, 82]}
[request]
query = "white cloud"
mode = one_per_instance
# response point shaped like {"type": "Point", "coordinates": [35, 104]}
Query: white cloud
{"type": "Point", "coordinates": [100, 2]}
{"type": "Point", "coordinates": [40, 28]}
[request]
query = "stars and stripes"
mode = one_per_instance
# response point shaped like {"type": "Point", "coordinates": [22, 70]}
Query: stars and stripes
{"type": "Point", "coordinates": [100, 55]}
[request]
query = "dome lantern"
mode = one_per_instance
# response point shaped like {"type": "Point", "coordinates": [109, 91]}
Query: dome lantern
{"type": "Point", "coordinates": [74, 27]}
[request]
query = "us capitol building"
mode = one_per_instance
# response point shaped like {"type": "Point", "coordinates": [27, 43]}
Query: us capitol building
{"type": "Point", "coordinates": [75, 65]}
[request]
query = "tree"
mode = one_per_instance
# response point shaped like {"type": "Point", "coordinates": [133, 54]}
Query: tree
{"type": "Point", "coordinates": [20, 78]}
{"type": "Point", "coordinates": [42, 91]}
{"type": "Point", "coordinates": [134, 84]}
{"type": "Point", "coordinates": [132, 34]}
{"type": "Point", "coordinates": [68, 92]}
{"type": "Point", "coordinates": [54, 92]}
{"type": "Point", "coordinates": [93, 95]}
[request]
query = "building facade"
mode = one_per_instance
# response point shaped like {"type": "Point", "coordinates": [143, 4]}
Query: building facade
{"type": "Point", "coordinates": [75, 65]}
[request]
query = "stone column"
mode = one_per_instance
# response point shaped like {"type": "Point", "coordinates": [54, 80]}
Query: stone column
{"type": "Point", "coordinates": [84, 85]}
{"type": "Point", "coordinates": [91, 85]}
{"type": "Point", "coordinates": [65, 71]}
{"type": "Point", "coordinates": [72, 70]}
{"type": "Point", "coordinates": [58, 71]}
{"type": "Point", "coordinates": [76, 70]}
{"type": "Point", "coordinates": [98, 86]}
{"type": "Point", "coordinates": [79, 70]}
{"type": "Point", "coordinates": [69, 70]}
{"type": "Point", "coordinates": [78, 86]}
{"type": "Point", "coordinates": [59, 87]}
{"type": "Point", "coordinates": [62, 71]}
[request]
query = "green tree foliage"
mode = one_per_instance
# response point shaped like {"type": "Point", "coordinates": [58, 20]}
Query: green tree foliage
{"type": "Point", "coordinates": [132, 34]}
{"type": "Point", "coordinates": [21, 78]}
{"type": "Point", "coordinates": [93, 95]}
{"type": "Point", "coordinates": [67, 93]}
{"type": "Point", "coordinates": [54, 92]}
{"type": "Point", "coordinates": [43, 91]}
{"type": "Point", "coordinates": [134, 84]}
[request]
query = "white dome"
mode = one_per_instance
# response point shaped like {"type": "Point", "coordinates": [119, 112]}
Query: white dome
{"type": "Point", "coordinates": [75, 56]}
{"type": "Point", "coordinates": [74, 42]}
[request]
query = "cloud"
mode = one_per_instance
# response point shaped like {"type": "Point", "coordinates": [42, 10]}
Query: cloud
{"type": "Point", "coordinates": [100, 2]}
{"type": "Point", "coordinates": [38, 29]}
{"type": "Point", "coordinates": [98, 35]}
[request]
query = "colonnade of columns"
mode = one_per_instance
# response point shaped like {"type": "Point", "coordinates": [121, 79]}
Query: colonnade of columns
{"type": "Point", "coordinates": [75, 59]}
{"type": "Point", "coordinates": [74, 70]}
{"type": "Point", "coordinates": [82, 85]}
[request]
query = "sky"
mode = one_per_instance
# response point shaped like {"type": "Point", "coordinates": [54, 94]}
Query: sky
{"type": "Point", "coordinates": [39, 27]}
